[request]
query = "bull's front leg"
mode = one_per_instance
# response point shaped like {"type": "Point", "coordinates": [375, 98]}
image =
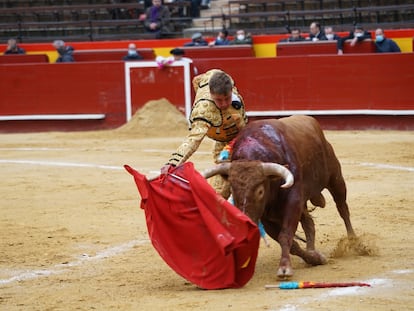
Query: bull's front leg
{"type": "Point", "coordinates": [285, 240]}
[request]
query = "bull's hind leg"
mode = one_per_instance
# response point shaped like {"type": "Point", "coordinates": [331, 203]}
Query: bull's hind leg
{"type": "Point", "coordinates": [309, 228]}
{"type": "Point", "coordinates": [337, 188]}
{"type": "Point", "coordinates": [310, 255]}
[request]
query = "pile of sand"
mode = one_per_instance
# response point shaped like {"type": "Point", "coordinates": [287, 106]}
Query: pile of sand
{"type": "Point", "coordinates": [157, 118]}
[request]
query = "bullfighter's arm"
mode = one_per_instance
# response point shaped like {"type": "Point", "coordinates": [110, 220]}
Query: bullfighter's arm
{"type": "Point", "coordinates": [191, 143]}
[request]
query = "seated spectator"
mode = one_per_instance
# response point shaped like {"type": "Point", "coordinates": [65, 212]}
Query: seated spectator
{"type": "Point", "coordinates": [330, 34]}
{"type": "Point", "coordinates": [195, 8]}
{"type": "Point", "coordinates": [358, 35]}
{"type": "Point", "coordinates": [295, 36]}
{"type": "Point", "coordinates": [178, 54]}
{"type": "Point", "coordinates": [65, 52]}
{"type": "Point", "coordinates": [315, 32]}
{"type": "Point", "coordinates": [383, 44]}
{"type": "Point", "coordinates": [197, 40]}
{"type": "Point", "coordinates": [157, 18]}
{"type": "Point", "coordinates": [132, 53]}
{"type": "Point", "coordinates": [205, 4]}
{"type": "Point", "coordinates": [222, 38]}
{"type": "Point", "coordinates": [13, 48]}
{"type": "Point", "coordinates": [241, 38]}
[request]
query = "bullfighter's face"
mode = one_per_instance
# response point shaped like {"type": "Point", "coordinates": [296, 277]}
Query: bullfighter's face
{"type": "Point", "coordinates": [223, 101]}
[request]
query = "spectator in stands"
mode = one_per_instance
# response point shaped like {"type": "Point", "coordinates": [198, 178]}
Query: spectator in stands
{"type": "Point", "coordinates": [132, 53]}
{"type": "Point", "coordinates": [65, 52]}
{"type": "Point", "coordinates": [157, 18]}
{"type": "Point", "coordinates": [358, 35]}
{"type": "Point", "coordinates": [383, 44]}
{"type": "Point", "coordinates": [13, 48]}
{"type": "Point", "coordinates": [315, 32]}
{"type": "Point", "coordinates": [221, 39]}
{"type": "Point", "coordinates": [205, 4]}
{"type": "Point", "coordinates": [178, 54]}
{"type": "Point", "coordinates": [218, 113]}
{"type": "Point", "coordinates": [197, 39]}
{"type": "Point", "coordinates": [295, 36]}
{"type": "Point", "coordinates": [330, 34]}
{"type": "Point", "coordinates": [195, 8]}
{"type": "Point", "coordinates": [241, 38]}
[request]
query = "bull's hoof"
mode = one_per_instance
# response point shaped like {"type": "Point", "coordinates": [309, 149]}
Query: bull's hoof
{"type": "Point", "coordinates": [284, 273]}
{"type": "Point", "coordinates": [316, 258]}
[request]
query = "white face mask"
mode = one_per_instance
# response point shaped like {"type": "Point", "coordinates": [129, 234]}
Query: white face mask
{"type": "Point", "coordinates": [330, 36]}
{"type": "Point", "coordinates": [358, 34]}
{"type": "Point", "coordinates": [240, 37]}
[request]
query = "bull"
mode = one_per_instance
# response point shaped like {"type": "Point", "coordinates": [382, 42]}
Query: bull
{"type": "Point", "coordinates": [276, 167]}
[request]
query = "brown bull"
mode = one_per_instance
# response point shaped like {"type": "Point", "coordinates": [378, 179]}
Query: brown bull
{"type": "Point", "coordinates": [276, 167]}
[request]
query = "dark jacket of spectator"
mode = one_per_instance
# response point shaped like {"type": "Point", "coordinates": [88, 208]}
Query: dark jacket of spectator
{"type": "Point", "coordinates": [359, 33]}
{"type": "Point", "coordinates": [197, 40]}
{"type": "Point", "coordinates": [158, 16]}
{"type": "Point", "coordinates": [65, 54]}
{"type": "Point", "coordinates": [13, 48]}
{"type": "Point", "coordinates": [386, 46]}
{"type": "Point", "coordinates": [319, 36]}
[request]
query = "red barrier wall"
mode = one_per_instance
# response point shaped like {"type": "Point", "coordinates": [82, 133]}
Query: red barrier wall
{"type": "Point", "coordinates": [342, 90]}
{"type": "Point", "coordinates": [322, 47]}
{"type": "Point", "coordinates": [23, 58]}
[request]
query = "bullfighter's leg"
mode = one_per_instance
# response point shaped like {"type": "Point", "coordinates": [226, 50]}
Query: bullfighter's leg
{"type": "Point", "coordinates": [337, 188]}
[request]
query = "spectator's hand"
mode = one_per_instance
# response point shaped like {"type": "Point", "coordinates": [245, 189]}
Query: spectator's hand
{"type": "Point", "coordinates": [354, 41]}
{"type": "Point", "coordinates": [340, 52]}
{"type": "Point", "coordinates": [212, 43]}
{"type": "Point", "coordinates": [153, 26]}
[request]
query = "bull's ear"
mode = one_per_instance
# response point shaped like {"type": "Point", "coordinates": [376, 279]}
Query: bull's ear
{"type": "Point", "coordinates": [220, 169]}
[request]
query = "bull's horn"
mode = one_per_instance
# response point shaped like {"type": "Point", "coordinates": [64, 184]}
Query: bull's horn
{"type": "Point", "coordinates": [220, 169]}
{"type": "Point", "coordinates": [279, 170]}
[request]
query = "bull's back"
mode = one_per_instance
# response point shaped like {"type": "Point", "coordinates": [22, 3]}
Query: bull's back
{"type": "Point", "coordinates": [297, 141]}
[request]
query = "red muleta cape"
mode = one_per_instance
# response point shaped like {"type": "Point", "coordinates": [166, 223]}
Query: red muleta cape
{"type": "Point", "coordinates": [200, 235]}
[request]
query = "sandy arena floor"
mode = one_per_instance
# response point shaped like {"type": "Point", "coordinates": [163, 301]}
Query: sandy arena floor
{"type": "Point", "coordinates": [74, 238]}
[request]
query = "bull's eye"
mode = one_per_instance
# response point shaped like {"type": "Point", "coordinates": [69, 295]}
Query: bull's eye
{"type": "Point", "coordinates": [259, 193]}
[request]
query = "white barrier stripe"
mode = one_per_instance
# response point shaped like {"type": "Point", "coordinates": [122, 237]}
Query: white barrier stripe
{"type": "Point", "coordinates": [61, 268]}
{"type": "Point", "coordinates": [51, 117]}
{"type": "Point", "coordinates": [69, 164]}
{"type": "Point", "coordinates": [388, 166]}
{"type": "Point", "coordinates": [88, 149]}
{"type": "Point", "coordinates": [65, 164]}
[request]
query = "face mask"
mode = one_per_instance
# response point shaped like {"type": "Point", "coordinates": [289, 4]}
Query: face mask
{"type": "Point", "coordinates": [330, 36]}
{"type": "Point", "coordinates": [379, 38]}
{"type": "Point", "coordinates": [358, 34]}
{"type": "Point", "coordinates": [132, 53]}
{"type": "Point", "coordinates": [240, 37]}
